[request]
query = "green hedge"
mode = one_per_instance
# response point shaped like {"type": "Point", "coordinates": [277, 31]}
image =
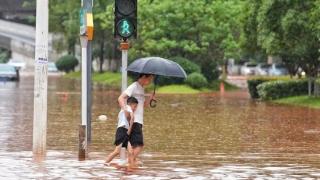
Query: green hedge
{"type": "Point", "coordinates": [253, 83]}
{"type": "Point", "coordinates": [281, 88]}
{"type": "Point", "coordinates": [197, 80]}
{"type": "Point", "coordinates": [67, 63]}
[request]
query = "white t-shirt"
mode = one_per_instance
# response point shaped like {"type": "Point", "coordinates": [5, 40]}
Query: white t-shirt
{"type": "Point", "coordinates": [137, 91]}
{"type": "Point", "coordinates": [122, 119]}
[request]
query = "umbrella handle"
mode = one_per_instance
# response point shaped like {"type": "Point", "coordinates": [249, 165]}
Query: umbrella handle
{"type": "Point", "coordinates": [153, 103]}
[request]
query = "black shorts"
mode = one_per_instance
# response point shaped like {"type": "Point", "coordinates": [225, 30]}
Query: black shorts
{"type": "Point", "coordinates": [121, 137]}
{"type": "Point", "coordinates": [136, 136]}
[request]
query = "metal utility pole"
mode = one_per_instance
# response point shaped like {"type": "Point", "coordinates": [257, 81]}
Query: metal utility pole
{"type": "Point", "coordinates": [40, 80]}
{"type": "Point", "coordinates": [125, 27]}
{"type": "Point", "coordinates": [124, 46]}
{"type": "Point", "coordinates": [86, 36]}
{"type": "Point", "coordinates": [84, 101]}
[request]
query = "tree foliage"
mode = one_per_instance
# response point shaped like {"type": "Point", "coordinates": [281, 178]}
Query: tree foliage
{"type": "Point", "coordinates": [4, 55]}
{"type": "Point", "coordinates": [286, 29]}
{"type": "Point", "coordinates": [203, 31]}
{"type": "Point", "coordinates": [249, 35]}
{"type": "Point", "coordinates": [64, 18]}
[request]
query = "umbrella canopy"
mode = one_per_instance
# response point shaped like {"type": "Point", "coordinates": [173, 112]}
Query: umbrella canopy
{"type": "Point", "coordinates": [157, 66]}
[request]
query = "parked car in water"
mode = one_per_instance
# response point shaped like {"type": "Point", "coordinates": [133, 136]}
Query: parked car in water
{"type": "Point", "coordinates": [248, 69]}
{"type": "Point", "coordinates": [8, 72]}
{"type": "Point", "coordinates": [277, 69]}
{"type": "Point", "coordinates": [18, 64]}
{"type": "Point", "coordinates": [263, 69]}
{"type": "Point", "coordinates": [52, 67]}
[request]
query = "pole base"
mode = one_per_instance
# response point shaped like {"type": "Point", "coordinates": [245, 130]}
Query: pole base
{"type": "Point", "coordinates": [82, 143]}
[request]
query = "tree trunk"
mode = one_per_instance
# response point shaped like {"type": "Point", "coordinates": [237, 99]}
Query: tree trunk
{"type": "Point", "coordinates": [115, 58]}
{"type": "Point", "coordinates": [309, 86]}
{"type": "Point", "coordinates": [101, 57]}
{"type": "Point", "coordinates": [316, 89]}
{"type": "Point", "coordinates": [71, 47]}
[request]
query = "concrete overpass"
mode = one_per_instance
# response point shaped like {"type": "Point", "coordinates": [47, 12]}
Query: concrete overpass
{"type": "Point", "coordinates": [20, 40]}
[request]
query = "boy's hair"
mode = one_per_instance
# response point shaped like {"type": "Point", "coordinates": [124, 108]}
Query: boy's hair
{"type": "Point", "coordinates": [132, 100]}
{"type": "Point", "coordinates": [146, 75]}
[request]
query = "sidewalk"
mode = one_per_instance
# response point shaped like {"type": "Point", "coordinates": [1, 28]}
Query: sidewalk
{"type": "Point", "coordinates": [239, 81]}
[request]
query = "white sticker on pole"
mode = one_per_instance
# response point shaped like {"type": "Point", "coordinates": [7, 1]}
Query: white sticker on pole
{"type": "Point", "coordinates": [41, 54]}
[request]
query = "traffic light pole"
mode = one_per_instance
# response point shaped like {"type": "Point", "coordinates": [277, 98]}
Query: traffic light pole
{"type": "Point", "coordinates": [84, 101]}
{"type": "Point", "coordinates": [125, 26]}
{"type": "Point", "coordinates": [86, 36]}
{"type": "Point", "coordinates": [124, 46]}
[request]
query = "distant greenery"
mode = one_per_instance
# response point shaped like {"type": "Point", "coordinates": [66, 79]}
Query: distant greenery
{"type": "Point", "coordinates": [67, 63]}
{"type": "Point", "coordinates": [106, 78]}
{"type": "Point", "coordinates": [253, 82]}
{"type": "Point", "coordinates": [252, 86]}
{"type": "Point", "coordinates": [287, 29]}
{"type": "Point", "coordinates": [73, 75]}
{"type": "Point", "coordinates": [196, 80]}
{"type": "Point", "coordinates": [109, 78]}
{"type": "Point", "coordinates": [279, 89]}
{"type": "Point", "coordinates": [177, 89]}
{"type": "Point", "coordinates": [306, 101]}
{"type": "Point", "coordinates": [202, 31]}
{"type": "Point", "coordinates": [206, 32]}
{"type": "Point", "coordinates": [114, 80]}
{"type": "Point", "coordinates": [4, 56]}
{"type": "Point", "coordinates": [188, 65]}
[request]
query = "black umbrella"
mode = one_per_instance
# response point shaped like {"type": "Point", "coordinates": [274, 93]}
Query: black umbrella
{"type": "Point", "coordinates": [157, 66]}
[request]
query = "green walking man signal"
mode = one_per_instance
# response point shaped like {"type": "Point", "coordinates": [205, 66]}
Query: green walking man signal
{"type": "Point", "coordinates": [125, 21]}
{"type": "Point", "coordinates": [125, 28]}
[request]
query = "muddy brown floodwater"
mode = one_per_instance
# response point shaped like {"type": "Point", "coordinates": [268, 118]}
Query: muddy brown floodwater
{"type": "Point", "coordinates": [205, 136]}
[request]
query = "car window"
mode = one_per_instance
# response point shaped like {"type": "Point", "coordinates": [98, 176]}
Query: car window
{"type": "Point", "coordinates": [6, 68]}
{"type": "Point", "coordinates": [251, 65]}
{"type": "Point", "coordinates": [16, 61]}
{"type": "Point", "coordinates": [279, 66]}
{"type": "Point", "coordinates": [265, 66]}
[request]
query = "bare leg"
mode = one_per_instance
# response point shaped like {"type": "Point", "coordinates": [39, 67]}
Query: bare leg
{"type": "Point", "coordinates": [136, 151]}
{"type": "Point", "coordinates": [130, 154]}
{"type": "Point", "coordinates": [113, 154]}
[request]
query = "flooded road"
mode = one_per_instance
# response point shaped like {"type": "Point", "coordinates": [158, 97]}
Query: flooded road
{"type": "Point", "coordinates": [205, 136]}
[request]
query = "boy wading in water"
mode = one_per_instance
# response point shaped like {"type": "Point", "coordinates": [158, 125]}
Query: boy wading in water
{"type": "Point", "coordinates": [125, 123]}
{"type": "Point", "coordinates": [136, 90]}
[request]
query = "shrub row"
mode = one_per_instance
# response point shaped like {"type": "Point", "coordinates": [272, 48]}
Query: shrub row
{"type": "Point", "coordinates": [278, 89]}
{"type": "Point", "coordinates": [253, 83]}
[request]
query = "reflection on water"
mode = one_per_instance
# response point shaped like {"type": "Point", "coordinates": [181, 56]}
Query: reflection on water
{"type": "Point", "coordinates": [187, 136]}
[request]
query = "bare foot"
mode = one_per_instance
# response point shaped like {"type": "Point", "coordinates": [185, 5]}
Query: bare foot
{"type": "Point", "coordinates": [139, 163]}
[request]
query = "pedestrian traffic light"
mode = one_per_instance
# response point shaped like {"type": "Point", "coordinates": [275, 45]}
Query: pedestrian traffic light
{"type": "Point", "coordinates": [125, 21]}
